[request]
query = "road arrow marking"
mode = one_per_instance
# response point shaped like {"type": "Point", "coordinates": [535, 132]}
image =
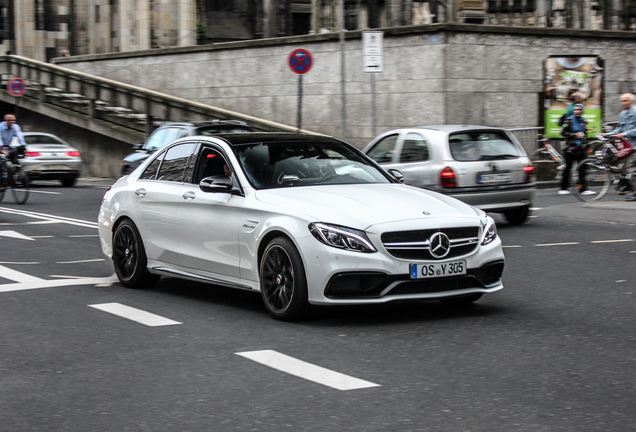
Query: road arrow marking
{"type": "Point", "coordinates": [306, 370]}
{"type": "Point", "coordinates": [15, 234]}
{"type": "Point", "coordinates": [14, 275]}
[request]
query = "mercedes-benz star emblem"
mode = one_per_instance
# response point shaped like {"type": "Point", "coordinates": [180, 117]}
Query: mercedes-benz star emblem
{"type": "Point", "coordinates": [439, 245]}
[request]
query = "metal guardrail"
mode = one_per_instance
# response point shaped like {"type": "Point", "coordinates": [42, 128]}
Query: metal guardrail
{"type": "Point", "coordinates": [528, 137]}
{"type": "Point", "coordinates": [121, 104]}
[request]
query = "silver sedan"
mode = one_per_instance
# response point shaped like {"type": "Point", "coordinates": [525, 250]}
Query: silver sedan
{"type": "Point", "coordinates": [49, 157]}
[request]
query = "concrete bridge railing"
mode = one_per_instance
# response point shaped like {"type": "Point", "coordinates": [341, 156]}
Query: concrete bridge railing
{"type": "Point", "coordinates": [121, 105]}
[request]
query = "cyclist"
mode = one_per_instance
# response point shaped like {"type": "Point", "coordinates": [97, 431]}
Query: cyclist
{"type": "Point", "coordinates": [8, 130]}
{"type": "Point", "coordinates": [574, 128]}
{"type": "Point", "coordinates": [626, 129]}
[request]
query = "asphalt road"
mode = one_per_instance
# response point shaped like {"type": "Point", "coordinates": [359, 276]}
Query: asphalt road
{"type": "Point", "coordinates": [554, 351]}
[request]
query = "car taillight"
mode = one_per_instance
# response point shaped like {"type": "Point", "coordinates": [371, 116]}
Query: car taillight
{"type": "Point", "coordinates": [528, 172]}
{"type": "Point", "coordinates": [73, 153]}
{"type": "Point", "coordinates": [447, 178]}
{"type": "Point", "coordinates": [31, 154]}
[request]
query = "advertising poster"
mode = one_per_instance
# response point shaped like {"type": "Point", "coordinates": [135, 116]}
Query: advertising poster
{"type": "Point", "coordinates": [567, 75]}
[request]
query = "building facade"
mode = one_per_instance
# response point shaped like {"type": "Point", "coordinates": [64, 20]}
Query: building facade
{"type": "Point", "coordinates": [43, 29]}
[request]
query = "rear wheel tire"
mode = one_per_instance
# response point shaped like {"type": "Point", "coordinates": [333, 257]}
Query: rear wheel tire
{"type": "Point", "coordinates": [68, 182]}
{"type": "Point", "coordinates": [283, 281]}
{"type": "Point", "coordinates": [597, 176]}
{"type": "Point", "coordinates": [461, 300]}
{"type": "Point", "coordinates": [518, 215]}
{"type": "Point", "coordinates": [129, 257]}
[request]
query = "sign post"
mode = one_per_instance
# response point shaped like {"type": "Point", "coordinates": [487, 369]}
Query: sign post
{"type": "Point", "coordinates": [373, 62]}
{"type": "Point", "coordinates": [300, 62]}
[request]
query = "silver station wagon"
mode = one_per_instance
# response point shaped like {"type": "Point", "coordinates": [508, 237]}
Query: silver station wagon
{"type": "Point", "coordinates": [483, 166]}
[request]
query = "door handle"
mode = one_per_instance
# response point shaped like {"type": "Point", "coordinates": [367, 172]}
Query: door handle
{"type": "Point", "coordinates": [189, 195]}
{"type": "Point", "coordinates": [140, 192]}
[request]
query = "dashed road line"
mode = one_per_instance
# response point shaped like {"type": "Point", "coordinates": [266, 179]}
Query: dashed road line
{"type": "Point", "coordinates": [308, 371]}
{"type": "Point", "coordinates": [81, 261]}
{"type": "Point", "coordinates": [558, 244]}
{"type": "Point", "coordinates": [612, 241]}
{"type": "Point", "coordinates": [37, 283]}
{"type": "Point", "coordinates": [134, 314]}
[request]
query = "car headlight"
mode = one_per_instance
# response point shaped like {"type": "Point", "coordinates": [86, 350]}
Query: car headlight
{"type": "Point", "coordinates": [489, 229]}
{"type": "Point", "coordinates": [341, 237]}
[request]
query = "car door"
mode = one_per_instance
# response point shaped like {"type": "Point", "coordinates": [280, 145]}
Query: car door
{"type": "Point", "coordinates": [209, 222]}
{"type": "Point", "coordinates": [156, 196]}
{"type": "Point", "coordinates": [415, 160]}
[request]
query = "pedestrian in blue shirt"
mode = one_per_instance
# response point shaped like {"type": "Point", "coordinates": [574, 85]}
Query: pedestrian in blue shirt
{"type": "Point", "coordinates": [574, 130]}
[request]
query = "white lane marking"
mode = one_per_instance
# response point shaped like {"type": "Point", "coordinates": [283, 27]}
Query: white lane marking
{"type": "Point", "coordinates": [308, 371]}
{"type": "Point", "coordinates": [133, 314]}
{"type": "Point", "coordinates": [81, 261]}
{"type": "Point", "coordinates": [19, 262]}
{"type": "Point", "coordinates": [48, 217]}
{"type": "Point", "coordinates": [35, 237]}
{"type": "Point", "coordinates": [536, 208]}
{"type": "Point", "coordinates": [513, 246]}
{"type": "Point", "coordinates": [558, 244]}
{"type": "Point", "coordinates": [14, 275]}
{"type": "Point", "coordinates": [45, 192]}
{"type": "Point", "coordinates": [15, 234]}
{"type": "Point", "coordinates": [41, 283]}
{"type": "Point", "coordinates": [612, 241]}
{"type": "Point", "coordinates": [84, 235]}
{"type": "Point", "coordinates": [45, 222]}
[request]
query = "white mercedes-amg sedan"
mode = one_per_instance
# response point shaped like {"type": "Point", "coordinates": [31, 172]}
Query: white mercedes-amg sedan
{"type": "Point", "coordinates": [306, 220]}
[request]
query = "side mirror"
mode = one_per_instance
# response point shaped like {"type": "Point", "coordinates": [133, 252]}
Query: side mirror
{"type": "Point", "coordinates": [137, 146]}
{"type": "Point", "coordinates": [216, 184]}
{"type": "Point", "coordinates": [396, 174]}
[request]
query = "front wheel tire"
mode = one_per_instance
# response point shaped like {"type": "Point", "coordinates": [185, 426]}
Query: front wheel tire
{"type": "Point", "coordinates": [283, 281]}
{"type": "Point", "coordinates": [129, 257]}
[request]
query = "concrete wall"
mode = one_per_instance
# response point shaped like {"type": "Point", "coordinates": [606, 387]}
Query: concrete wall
{"type": "Point", "coordinates": [446, 73]}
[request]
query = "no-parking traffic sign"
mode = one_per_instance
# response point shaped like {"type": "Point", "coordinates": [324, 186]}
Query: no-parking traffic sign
{"type": "Point", "coordinates": [300, 61]}
{"type": "Point", "coordinates": [17, 86]}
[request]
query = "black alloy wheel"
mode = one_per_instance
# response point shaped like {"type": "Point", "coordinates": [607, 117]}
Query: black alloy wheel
{"type": "Point", "coordinates": [283, 281]}
{"type": "Point", "coordinates": [129, 257]}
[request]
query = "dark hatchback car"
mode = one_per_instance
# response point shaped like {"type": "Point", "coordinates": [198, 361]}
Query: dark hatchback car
{"type": "Point", "coordinates": [169, 132]}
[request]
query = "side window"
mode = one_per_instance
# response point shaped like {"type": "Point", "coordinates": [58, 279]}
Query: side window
{"type": "Point", "coordinates": [415, 149]}
{"type": "Point", "coordinates": [175, 161]}
{"type": "Point", "coordinates": [211, 163]}
{"type": "Point", "coordinates": [383, 150]}
{"type": "Point", "coordinates": [161, 138]}
{"type": "Point", "coordinates": [151, 170]}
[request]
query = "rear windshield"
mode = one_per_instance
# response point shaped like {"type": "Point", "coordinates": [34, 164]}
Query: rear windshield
{"type": "Point", "coordinates": [42, 139]}
{"type": "Point", "coordinates": [482, 145]}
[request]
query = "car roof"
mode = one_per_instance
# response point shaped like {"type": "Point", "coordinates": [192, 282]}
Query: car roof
{"type": "Point", "coordinates": [205, 123]}
{"type": "Point", "coordinates": [271, 137]}
{"type": "Point", "coordinates": [455, 128]}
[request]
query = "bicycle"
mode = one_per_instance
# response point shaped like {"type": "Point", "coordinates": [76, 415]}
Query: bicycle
{"type": "Point", "coordinates": [548, 153]}
{"type": "Point", "coordinates": [14, 177]}
{"type": "Point", "coordinates": [601, 169]}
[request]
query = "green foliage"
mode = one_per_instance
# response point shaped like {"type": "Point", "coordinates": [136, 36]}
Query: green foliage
{"type": "Point", "coordinates": [201, 32]}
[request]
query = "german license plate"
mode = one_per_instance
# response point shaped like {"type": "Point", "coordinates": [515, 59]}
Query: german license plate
{"type": "Point", "coordinates": [500, 177]}
{"type": "Point", "coordinates": [423, 271]}
{"type": "Point", "coordinates": [56, 167]}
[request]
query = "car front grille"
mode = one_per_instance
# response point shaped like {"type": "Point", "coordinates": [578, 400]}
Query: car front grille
{"type": "Point", "coordinates": [415, 245]}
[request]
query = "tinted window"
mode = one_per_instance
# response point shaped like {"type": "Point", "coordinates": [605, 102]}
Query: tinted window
{"type": "Point", "coordinates": [151, 170]}
{"type": "Point", "coordinates": [162, 137]}
{"type": "Point", "coordinates": [175, 161]}
{"type": "Point", "coordinates": [305, 163]}
{"type": "Point", "coordinates": [383, 150]}
{"type": "Point", "coordinates": [473, 146]}
{"type": "Point", "coordinates": [415, 149]}
{"type": "Point", "coordinates": [211, 163]}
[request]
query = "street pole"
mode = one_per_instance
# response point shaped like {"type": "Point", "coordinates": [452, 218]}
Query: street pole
{"type": "Point", "coordinates": [342, 68]}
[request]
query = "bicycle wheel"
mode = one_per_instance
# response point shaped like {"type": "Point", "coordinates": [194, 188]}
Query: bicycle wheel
{"type": "Point", "coordinates": [20, 186]}
{"type": "Point", "coordinates": [598, 178]}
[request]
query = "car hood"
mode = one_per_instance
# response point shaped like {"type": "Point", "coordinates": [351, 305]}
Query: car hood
{"type": "Point", "coordinates": [360, 206]}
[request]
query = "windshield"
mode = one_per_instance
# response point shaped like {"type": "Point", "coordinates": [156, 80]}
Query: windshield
{"type": "Point", "coordinates": [482, 145]}
{"type": "Point", "coordinates": [289, 164]}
